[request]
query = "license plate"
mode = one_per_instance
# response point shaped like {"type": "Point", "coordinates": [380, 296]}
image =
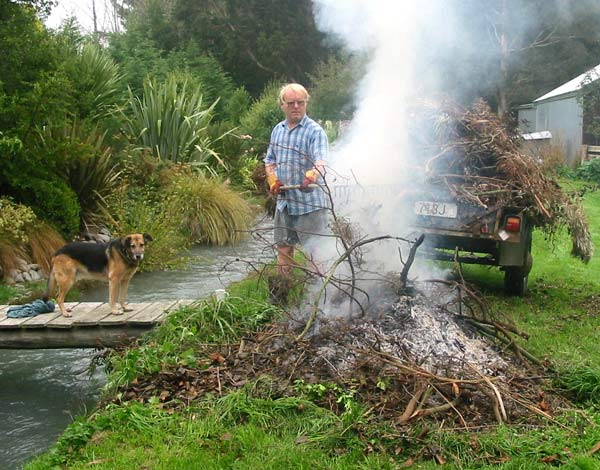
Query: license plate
{"type": "Point", "coordinates": [436, 209]}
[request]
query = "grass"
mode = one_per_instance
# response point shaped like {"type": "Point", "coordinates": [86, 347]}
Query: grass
{"type": "Point", "coordinates": [256, 428]}
{"type": "Point", "coordinates": [560, 309]}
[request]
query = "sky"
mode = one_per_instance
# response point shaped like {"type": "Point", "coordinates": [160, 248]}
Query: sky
{"type": "Point", "coordinates": [83, 11]}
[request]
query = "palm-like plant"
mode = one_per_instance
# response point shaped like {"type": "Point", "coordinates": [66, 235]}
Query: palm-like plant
{"type": "Point", "coordinates": [172, 122]}
{"type": "Point", "coordinates": [98, 77]}
{"type": "Point", "coordinates": [90, 171]}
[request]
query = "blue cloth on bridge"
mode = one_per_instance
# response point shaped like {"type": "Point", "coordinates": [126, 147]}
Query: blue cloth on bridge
{"type": "Point", "coordinates": [30, 310]}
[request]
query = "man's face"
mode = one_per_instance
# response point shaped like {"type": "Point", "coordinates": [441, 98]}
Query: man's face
{"type": "Point", "coordinates": [294, 106]}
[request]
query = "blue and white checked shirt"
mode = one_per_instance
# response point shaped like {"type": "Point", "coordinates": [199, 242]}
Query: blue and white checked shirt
{"type": "Point", "coordinates": [294, 152]}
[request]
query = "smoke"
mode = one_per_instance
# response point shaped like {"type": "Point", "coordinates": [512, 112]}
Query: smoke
{"type": "Point", "coordinates": [421, 49]}
{"type": "Point", "coordinates": [408, 45]}
{"type": "Point", "coordinates": [416, 50]}
{"type": "Point", "coordinates": [403, 43]}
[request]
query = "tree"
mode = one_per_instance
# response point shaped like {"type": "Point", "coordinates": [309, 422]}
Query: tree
{"type": "Point", "coordinates": [255, 41]}
{"type": "Point", "coordinates": [529, 47]}
{"type": "Point", "coordinates": [507, 51]}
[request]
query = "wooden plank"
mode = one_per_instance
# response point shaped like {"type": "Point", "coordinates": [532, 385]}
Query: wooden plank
{"type": "Point", "coordinates": [151, 314]}
{"type": "Point", "coordinates": [40, 321]}
{"type": "Point", "coordinates": [124, 318]}
{"type": "Point", "coordinates": [85, 337]}
{"type": "Point", "coordinates": [12, 322]}
{"type": "Point", "coordinates": [67, 322]}
{"type": "Point", "coordinates": [92, 315]}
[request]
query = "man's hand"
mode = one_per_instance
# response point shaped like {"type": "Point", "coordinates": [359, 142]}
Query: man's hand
{"type": "Point", "coordinates": [274, 184]}
{"type": "Point", "coordinates": [275, 187]}
{"type": "Point", "coordinates": [310, 177]}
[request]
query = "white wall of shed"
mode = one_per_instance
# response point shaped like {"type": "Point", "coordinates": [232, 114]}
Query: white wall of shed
{"type": "Point", "coordinates": [563, 118]}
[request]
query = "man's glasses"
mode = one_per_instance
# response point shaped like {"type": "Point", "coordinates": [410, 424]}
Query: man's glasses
{"type": "Point", "coordinates": [300, 103]}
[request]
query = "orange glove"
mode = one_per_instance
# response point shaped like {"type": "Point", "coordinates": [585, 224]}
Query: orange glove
{"type": "Point", "coordinates": [310, 177]}
{"type": "Point", "coordinates": [274, 184]}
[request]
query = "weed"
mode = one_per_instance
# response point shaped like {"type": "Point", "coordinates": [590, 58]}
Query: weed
{"type": "Point", "coordinates": [583, 383]}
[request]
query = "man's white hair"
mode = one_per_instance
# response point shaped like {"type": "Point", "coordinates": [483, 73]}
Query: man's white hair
{"type": "Point", "coordinates": [292, 87]}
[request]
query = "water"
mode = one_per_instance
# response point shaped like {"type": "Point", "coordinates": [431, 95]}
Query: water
{"type": "Point", "coordinates": [41, 391]}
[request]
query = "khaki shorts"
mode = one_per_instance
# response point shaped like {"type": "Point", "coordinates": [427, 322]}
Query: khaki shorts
{"type": "Point", "coordinates": [298, 229]}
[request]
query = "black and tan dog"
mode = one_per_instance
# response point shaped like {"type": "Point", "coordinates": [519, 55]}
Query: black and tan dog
{"type": "Point", "coordinates": [117, 261]}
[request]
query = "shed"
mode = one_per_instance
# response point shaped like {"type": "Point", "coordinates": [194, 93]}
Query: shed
{"type": "Point", "coordinates": [560, 113]}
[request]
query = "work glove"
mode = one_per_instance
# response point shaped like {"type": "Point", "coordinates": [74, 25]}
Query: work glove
{"type": "Point", "coordinates": [310, 177]}
{"type": "Point", "coordinates": [274, 185]}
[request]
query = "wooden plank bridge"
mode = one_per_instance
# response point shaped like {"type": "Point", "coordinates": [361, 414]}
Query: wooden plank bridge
{"type": "Point", "coordinates": [91, 326]}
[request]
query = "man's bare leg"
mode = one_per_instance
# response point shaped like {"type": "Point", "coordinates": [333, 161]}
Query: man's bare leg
{"type": "Point", "coordinates": [285, 259]}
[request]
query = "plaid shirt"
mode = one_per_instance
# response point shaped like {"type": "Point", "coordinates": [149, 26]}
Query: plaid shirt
{"type": "Point", "coordinates": [294, 152]}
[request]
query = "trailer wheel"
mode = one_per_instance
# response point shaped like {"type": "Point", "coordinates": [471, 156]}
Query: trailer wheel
{"type": "Point", "coordinates": [515, 281]}
{"type": "Point", "coordinates": [516, 278]}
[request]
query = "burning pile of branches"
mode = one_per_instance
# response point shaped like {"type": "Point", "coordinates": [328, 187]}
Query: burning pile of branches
{"type": "Point", "coordinates": [480, 162]}
{"type": "Point", "coordinates": [410, 360]}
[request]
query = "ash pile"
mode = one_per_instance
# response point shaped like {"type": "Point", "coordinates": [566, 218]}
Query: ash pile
{"type": "Point", "coordinates": [432, 351]}
{"type": "Point", "coordinates": [414, 329]}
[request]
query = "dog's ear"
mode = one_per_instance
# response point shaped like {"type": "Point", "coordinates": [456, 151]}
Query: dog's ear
{"type": "Point", "coordinates": [147, 237]}
{"type": "Point", "coordinates": [127, 241]}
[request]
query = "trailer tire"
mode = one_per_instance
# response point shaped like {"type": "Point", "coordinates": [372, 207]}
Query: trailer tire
{"type": "Point", "coordinates": [517, 277]}
{"type": "Point", "coordinates": [515, 281]}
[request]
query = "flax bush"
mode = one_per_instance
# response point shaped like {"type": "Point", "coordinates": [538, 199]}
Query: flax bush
{"type": "Point", "coordinates": [171, 121]}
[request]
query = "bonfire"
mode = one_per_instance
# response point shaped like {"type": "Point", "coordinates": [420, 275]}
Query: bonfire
{"type": "Point", "coordinates": [412, 349]}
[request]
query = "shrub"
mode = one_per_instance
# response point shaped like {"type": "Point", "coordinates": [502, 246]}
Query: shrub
{"type": "Point", "coordinates": [210, 211]}
{"type": "Point", "coordinates": [44, 240]}
{"type": "Point", "coordinates": [14, 219]}
{"type": "Point", "coordinates": [262, 116]}
{"type": "Point", "coordinates": [237, 104]}
{"type": "Point", "coordinates": [23, 236]}
{"type": "Point", "coordinates": [10, 254]}
{"type": "Point", "coordinates": [334, 86]}
{"type": "Point", "coordinates": [54, 201]}
{"type": "Point", "coordinates": [206, 73]}
{"type": "Point", "coordinates": [90, 171]}
{"type": "Point", "coordinates": [171, 121]}
{"type": "Point", "coordinates": [590, 170]}
{"type": "Point", "coordinates": [143, 215]}
{"type": "Point", "coordinates": [96, 82]}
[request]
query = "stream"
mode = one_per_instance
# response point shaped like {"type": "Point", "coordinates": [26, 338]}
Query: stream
{"type": "Point", "coordinates": [41, 391]}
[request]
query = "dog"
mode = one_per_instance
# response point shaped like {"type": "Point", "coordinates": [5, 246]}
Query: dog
{"type": "Point", "coordinates": [116, 260]}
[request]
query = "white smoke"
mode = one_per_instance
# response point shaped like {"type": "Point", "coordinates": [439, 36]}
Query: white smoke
{"type": "Point", "coordinates": [415, 50]}
{"type": "Point", "coordinates": [375, 150]}
{"type": "Point", "coordinates": [393, 35]}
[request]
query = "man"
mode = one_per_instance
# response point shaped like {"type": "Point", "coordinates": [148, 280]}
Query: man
{"type": "Point", "coordinates": [296, 156]}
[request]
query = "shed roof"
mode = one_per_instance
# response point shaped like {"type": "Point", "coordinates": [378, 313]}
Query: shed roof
{"type": "Point", "coordinates": [574, 84]}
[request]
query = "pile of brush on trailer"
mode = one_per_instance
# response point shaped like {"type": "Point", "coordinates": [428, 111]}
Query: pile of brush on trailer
{"type": "Point", "coordinates": [472, 153]}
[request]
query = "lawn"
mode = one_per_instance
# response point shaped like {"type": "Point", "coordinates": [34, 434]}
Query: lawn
{"type": "Point", "coordinates": [257, 427]}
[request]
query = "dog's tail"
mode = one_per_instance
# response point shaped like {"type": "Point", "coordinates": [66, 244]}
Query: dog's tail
{"type": "Point", "coordinates": [50, 286]}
